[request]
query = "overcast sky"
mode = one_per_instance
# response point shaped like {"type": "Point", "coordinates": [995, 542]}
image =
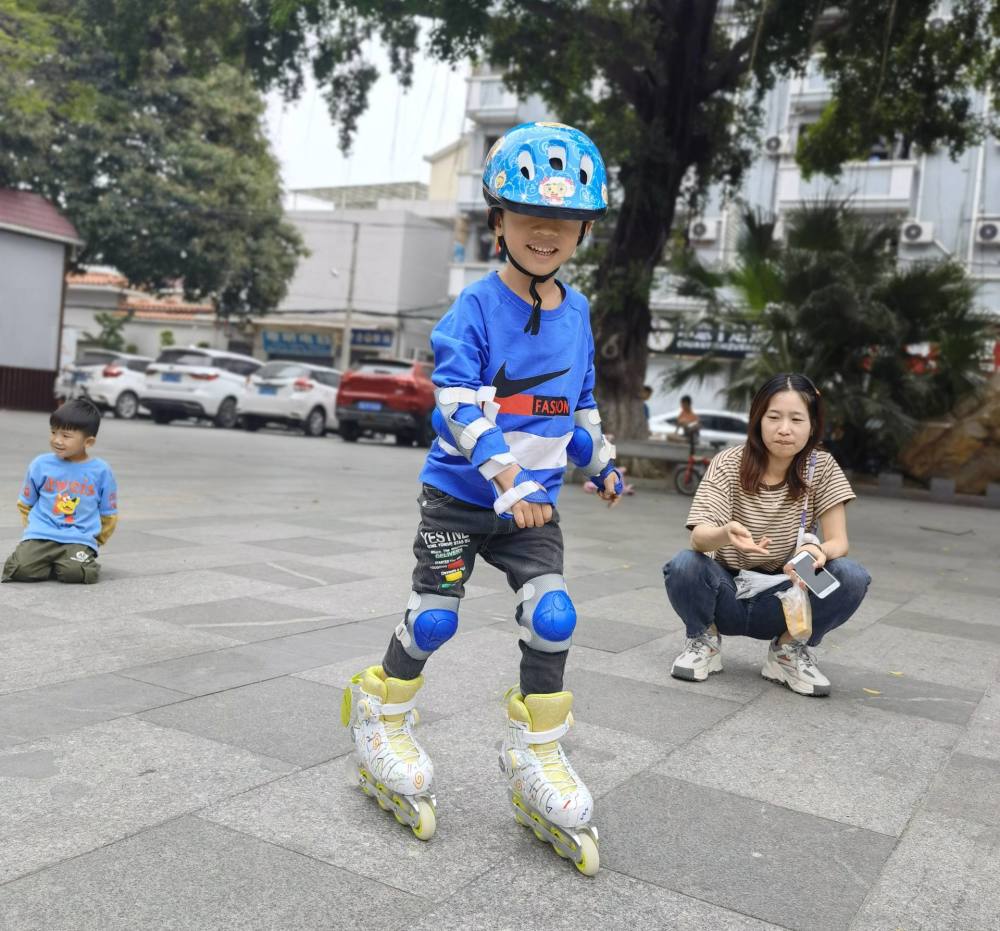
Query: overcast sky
{"type": "Point", "coordinates": [393, 136]}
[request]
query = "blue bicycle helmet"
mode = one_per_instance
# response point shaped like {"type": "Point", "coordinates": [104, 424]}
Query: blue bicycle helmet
{"type": "Point", "coordinates": [544, 170]}
{"type": "Point", "coordinates": [548, 170]}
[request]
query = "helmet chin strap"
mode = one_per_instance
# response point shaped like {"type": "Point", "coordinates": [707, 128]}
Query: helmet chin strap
{"type": "Point", "coordinates": [535, 320]}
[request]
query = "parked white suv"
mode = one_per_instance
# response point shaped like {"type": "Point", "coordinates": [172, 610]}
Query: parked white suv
{"type": "Point", "coordinates": [195, 382]}
{"type": "Point", "coordinates": [291, 393]}
{"type": "Point", "coordinates": [112, 380]}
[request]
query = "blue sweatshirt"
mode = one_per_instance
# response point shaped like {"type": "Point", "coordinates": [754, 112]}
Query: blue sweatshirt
{"type": "Point", "coordinates": [68, 499]}
{"type": "Point", "coordinates": [541, 382]}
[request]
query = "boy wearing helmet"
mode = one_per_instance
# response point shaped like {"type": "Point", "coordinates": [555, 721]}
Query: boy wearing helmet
{"type": "Point", "coordinates": [514, 369]}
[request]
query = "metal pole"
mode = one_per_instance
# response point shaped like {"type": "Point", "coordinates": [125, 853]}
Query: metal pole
{"type": "Point", "coordinates": [345, 344]}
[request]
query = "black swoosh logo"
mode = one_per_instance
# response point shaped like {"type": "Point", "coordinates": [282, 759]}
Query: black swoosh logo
{"type": "Point", "coordinates": [508, 387]}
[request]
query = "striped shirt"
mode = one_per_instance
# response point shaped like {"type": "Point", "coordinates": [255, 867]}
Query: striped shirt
{"type": "Point", "coordinates": [770, 512]}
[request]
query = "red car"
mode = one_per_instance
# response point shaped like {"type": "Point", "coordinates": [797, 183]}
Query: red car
{"type": "Point", "coordinates": [387, 396]}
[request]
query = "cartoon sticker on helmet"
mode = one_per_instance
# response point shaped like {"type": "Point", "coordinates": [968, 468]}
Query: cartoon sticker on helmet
{"type": "Point", "coordinates": [499, 180]}
{"type": "Point", "coordinates": [553, 125]}
{"type": "Point", "coordinates": [555, 190]}
{"type": "Point", "coordinates": [604, 193]}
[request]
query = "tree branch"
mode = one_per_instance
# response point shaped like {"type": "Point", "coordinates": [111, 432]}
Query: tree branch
{"type": "Point", "coordinates": [727, 72]}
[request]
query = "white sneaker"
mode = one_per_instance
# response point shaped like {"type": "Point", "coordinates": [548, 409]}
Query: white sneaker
{"type": "Point", "coordinates": [701, 657]}
{"type": "Point", "coordinates": [794, 665]}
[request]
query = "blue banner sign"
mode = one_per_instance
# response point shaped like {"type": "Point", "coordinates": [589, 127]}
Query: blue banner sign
{"type": "Point", "coordinates": [297, 344]}
{"type": "Point", "coordinates": [381, 339]}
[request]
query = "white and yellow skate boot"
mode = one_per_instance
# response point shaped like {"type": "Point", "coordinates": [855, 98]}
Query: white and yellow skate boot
{"type": "Point", "coordinates": [391, 765]}
{"type": "Point", "coordinates": [545, 791]}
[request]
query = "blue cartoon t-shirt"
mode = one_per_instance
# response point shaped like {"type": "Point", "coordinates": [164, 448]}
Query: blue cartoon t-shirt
{"type": "Point", "coordinates": [68, 499]}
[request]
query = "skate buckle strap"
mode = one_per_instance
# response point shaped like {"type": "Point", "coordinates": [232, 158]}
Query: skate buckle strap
{"type": "Point", "coordinates": [545, 737]}
{"type": "Point", "coordinates": [399, 707]}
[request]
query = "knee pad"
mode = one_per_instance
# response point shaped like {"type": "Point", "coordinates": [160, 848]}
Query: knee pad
{"type": "Point", "coordinates": [430, 621]}
{"type": "Point", "coordinates": [546, 614]}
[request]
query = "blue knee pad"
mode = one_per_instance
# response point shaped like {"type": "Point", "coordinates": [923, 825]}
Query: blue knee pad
{"type": "Point", "coordinates": [430, 621]}
{"type": "Point", "coordinates": [546, 614]}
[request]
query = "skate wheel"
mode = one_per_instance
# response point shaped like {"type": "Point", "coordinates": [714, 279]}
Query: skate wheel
{"type": "Point", "coordinates": [520, 819]}
{"type": "Point", "coordinates": [590, 860]}
{"type": "Point", "coordinates": [559, 852]}
{"type": "Point", "coordinates": [541, 837]}
{"type": "Point", "coordinates": [426, 821]}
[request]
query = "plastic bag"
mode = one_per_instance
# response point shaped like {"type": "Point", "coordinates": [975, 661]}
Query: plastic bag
{"type": "Point", "coordinates": [798, 612]}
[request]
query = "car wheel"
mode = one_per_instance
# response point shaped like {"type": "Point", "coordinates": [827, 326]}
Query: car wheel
{"type": "Point", "coordinates": [161, 417]}
{"type": "Point", "coordinates": [349, 432]}
{"type": "Point", "coordinates": [425, 433]}
{"type": "Point", "coordinates": [127, 406]}
{"type": "Point", "coordinates": [404, 439]}
{"type": "Point", "coordinates": [252, 423]}
{"type": "Point", "coordinates": [315, 423]}
{"type": "Point", "coordinates": [226, 416]}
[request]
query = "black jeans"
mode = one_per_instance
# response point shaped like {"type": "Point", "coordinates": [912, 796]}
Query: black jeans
{"type": "Point", "coordinates": [452, 533]}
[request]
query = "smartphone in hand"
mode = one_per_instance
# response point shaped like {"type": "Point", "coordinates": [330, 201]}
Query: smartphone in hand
{"type": "Point", "coordinates": [820, 583]}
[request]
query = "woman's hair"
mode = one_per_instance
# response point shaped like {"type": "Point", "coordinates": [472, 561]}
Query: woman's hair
{"type": "Point", "coordinates": [755, 452]}
{"type": "Point", "coordinates": [78, 414]}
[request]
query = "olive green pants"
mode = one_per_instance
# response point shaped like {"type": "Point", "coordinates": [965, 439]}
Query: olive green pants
{"type": "Point", "coordinates": [40, 560]}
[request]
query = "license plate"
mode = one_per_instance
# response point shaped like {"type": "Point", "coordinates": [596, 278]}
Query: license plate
{"type": "Point", "coordinates": [267, 389]}
{"type": "Point", "coordinates": [171, 376]}
{"type": "Point", "coordinates": [369, 405]}
{"type": "Point", "coordinates": [80, 376]}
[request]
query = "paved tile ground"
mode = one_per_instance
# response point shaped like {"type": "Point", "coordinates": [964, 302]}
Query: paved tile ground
{"type": "Point", "coordinates": [171, 754]}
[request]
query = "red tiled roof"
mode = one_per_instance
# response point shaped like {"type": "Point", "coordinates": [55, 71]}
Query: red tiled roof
{"type": "Point", "coordinates": [110, 279]}
{"type": "Point", "coordinates": [166, 306]}
{"type": "Point", "coordinates": [34, 215]}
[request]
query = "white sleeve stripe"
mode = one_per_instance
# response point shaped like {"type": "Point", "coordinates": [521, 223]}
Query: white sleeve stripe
{"type": "Point", "coordinates": [510, 497]}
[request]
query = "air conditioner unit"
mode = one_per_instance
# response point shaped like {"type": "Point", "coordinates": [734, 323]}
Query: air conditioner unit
{"type": "Point", "coordinates": [777, 145]}
{"type": "Point", "coordinates": [940, 18]}
{"type": "Point", "coordinates": [703, 229]}
{"type": "Point", "coordinates": [778, 233]}
{"type": "Point", "coordinates": [988, 232]}
{"type": "Point", "coordinates": [916, 233]}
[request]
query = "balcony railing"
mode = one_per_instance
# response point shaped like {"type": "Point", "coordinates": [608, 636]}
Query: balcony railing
{"type": "Point", "coordinates": [461, 275]}
{"type": "Point", "coordinates": [885, 186]}
{"type": "Point", "coordinates": [490, 100]}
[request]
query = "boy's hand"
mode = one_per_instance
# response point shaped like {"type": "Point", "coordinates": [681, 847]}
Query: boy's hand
{"type": "Point", "coordinates": [526, 514]}
{"type": "Point", "coordinates": [607, 493]}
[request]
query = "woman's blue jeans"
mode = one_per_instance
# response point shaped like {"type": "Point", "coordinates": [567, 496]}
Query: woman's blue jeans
{"type": "Point", "coordinates": [702, 593]}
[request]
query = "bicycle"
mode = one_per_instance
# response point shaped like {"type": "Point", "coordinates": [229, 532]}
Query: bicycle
{"type": "Point", "coordinates": [687, 476]}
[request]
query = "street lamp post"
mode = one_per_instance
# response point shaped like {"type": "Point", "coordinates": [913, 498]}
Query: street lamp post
{"type": "Point", "coordinates": [345, 343]}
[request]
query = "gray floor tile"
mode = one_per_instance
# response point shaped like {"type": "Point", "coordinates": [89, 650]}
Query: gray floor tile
{"type": "Point", "coordinates": [646, 709]}
{"type": "Point", "coordinates": [932, 657]}
{"type": "Point", "coordinates": [72, 650]}
{"type": "Point", "coordinates": [65, 706]}
{"type": "Point", "coordinates": [828, 758]}
{"type": "Point", "coordinates": [890, 690]}
{"type": "Point", "coordinates": [307, 546]}
{"type": "Point", "coordinates": [203, 673]}
{"type": "Point", "coordinates": [102, 783]}
{"type": "Point", "coordinates": [190, 874]}
{"type": "Point", "coordinates": [288, 719]}
{"type": "Point", "coordinates": [941, 877]}
{"type": "Point", "coordinates": [247, 619]}
{"type": "Point", "coordinates": [292, 573]}
{"type": "Point", "coordinates": [967, 788]}
{"type": "Point", "coordinates": [599, 633]}
{"type": "Point", "coordinates": [507, 899]}
{"type": "Point", "coordinates": [981, 738]}
{"type": "Point", "coordinates": [945, 627]}
{"type": "Point", "coordinates": [791, 869]}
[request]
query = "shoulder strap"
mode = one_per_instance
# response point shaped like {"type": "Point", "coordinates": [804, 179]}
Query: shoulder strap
{"type": "Point", "coordinates": [810, 472]}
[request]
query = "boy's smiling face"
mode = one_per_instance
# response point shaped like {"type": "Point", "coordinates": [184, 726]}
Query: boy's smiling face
{"type": "Point", "coordinates": [70, 445]}
{"type": "Point", "coordinates": [540, 244]}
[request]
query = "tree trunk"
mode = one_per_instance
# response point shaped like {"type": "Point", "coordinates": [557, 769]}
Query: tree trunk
{"type": "Point", "coordinates": [651, 183]}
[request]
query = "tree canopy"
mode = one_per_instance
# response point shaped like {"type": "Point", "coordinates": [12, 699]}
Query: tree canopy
{"type": "Point", "coordinates": [165, 171]}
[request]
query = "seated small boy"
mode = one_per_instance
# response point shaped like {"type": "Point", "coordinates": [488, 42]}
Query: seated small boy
{"type": "Point", "coordinates": [69, 503]}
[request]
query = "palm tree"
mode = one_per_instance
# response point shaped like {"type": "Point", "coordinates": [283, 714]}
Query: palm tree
{"type": "Point", "coordinates": [830, 301]}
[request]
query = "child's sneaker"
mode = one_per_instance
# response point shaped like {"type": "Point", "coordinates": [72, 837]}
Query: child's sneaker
{"type": "Point", "coordinates": [794, 665]}
{"type": "Point", "coordinates": [701, 657]}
